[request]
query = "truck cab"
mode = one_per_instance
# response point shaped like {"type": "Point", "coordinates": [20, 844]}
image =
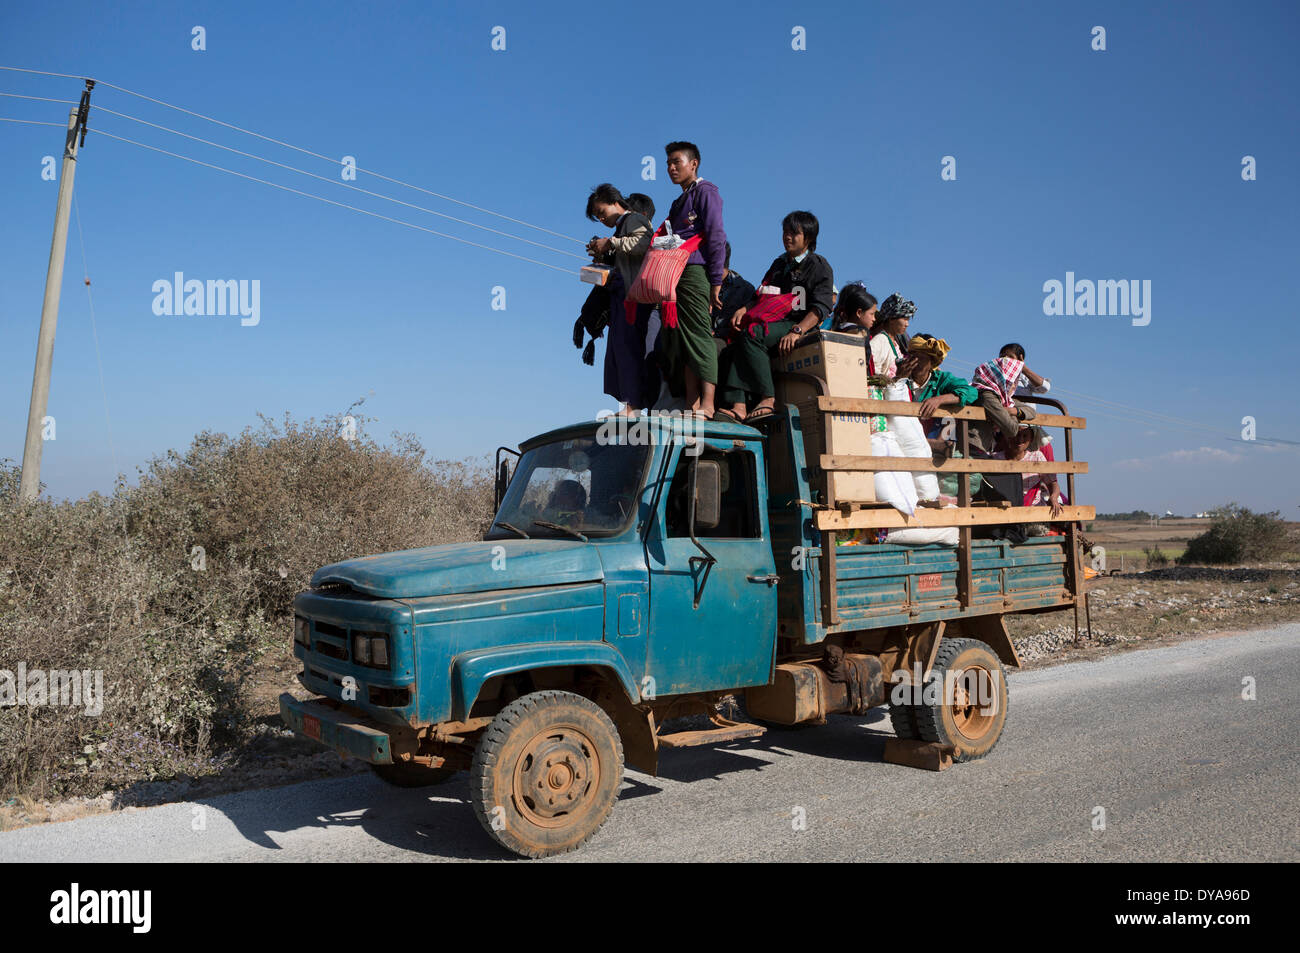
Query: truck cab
{"type": "Point", "coordinates": [598, 577]}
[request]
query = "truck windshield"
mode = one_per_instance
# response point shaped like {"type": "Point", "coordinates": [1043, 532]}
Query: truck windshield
{"type": "Point", "coordinates": [580, 487]}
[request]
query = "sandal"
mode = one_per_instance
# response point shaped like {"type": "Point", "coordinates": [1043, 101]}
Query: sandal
{"type": "Point", "coordinates": [759, 413]}
{"type": "Point", "coordinates": [726, 415]}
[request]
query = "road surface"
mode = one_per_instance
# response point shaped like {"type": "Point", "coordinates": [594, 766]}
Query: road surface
{"type": "Point", "coordinates": [1161, 740]}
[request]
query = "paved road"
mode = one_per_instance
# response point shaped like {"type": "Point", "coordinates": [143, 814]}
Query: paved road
{"type": "Point", "coordinates": [1161, 739]}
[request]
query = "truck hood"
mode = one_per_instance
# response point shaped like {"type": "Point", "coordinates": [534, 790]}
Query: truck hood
{"type": "Point", "coordinates": [467, 567]}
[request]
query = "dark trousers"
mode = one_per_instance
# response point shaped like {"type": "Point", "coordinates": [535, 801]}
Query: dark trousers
{"type": "Point", "coordinates": [746, 364]}
{"type": "Point", "coordinates": [690, 344]}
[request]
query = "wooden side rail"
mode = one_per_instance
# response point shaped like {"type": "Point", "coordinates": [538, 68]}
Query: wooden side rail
{"type": "Point", "coordinates": [905, 408]}
{"type": "Point", "coordinates": [844, 516]}
{"type": "Point", "coordinates": [934, 517]}
{"type": "Point", "coordinates": [923, 465]}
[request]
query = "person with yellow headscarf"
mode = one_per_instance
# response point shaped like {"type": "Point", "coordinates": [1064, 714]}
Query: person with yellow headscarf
{"type": "Point", "coordinates": [931, 387]}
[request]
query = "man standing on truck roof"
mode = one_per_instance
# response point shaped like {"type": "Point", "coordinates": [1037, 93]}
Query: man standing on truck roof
{"type": "Point", "coordinates": [688, 349]}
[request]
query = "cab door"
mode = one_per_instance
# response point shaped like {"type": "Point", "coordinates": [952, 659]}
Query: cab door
{"type": "Point", "coordinates": [712, 605]}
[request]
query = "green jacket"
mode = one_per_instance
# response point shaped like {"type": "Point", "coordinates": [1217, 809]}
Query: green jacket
{"type": "Point", "coordinates": [941, 382]}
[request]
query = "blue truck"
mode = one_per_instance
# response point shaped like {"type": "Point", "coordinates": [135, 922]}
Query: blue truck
{"type": "Point", "coordinates": [643, 569]}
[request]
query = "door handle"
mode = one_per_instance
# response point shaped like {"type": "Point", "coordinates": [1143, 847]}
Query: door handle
{"type": "Point", "coordinates": [771, 579]}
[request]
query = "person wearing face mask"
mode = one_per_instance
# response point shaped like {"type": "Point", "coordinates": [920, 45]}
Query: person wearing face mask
{"type": "Point", "coordinates": [795, 296]}
{"type": "Point", "coordinates": [889, 336]}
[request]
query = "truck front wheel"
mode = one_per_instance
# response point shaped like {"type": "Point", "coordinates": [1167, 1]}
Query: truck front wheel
{"type": "Point", "coordinates": [972, 707]}
{"type": "Point", "coordinates": [546, 773]}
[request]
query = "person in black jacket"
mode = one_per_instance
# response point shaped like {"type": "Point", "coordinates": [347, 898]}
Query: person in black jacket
{"type": "Point", "coordinates": [736, 293]}
{"type": "Point", "coordinates": [746, 371]}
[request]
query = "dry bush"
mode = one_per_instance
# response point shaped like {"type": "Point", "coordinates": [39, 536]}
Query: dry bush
{"type": "Point", "coordinates": [1156, 557]}
{"type": "Point", "coordinates": [1237, 535]}
{"type": "Point", "coordinates": [108, 583]}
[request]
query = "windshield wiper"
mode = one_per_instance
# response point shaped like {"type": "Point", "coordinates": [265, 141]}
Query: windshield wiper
{"type": "Point", "coordinates": [562, 529]}
{"type": "Point", "coordinates": [513, 529]}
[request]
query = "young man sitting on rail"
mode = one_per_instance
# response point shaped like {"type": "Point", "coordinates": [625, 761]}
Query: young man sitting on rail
{"type": "Point", "coordinates": [746, 364]}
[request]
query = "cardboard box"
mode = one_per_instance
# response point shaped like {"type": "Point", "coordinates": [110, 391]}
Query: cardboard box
{"type": "Point", "coordinates": [841, 361]}
{"type": "Point", "coordinates": [594, 274]}
{"type": "Point", "coordinates": [838, 359]}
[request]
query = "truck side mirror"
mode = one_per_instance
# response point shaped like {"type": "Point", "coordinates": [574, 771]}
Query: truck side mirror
{"type": "Point", "coordinates": [708, 493]}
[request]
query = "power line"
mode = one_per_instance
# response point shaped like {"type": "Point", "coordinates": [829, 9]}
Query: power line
{"type": "Point", "coordinates": [1152, 416]}
{"type": "Point", "coordinates": [41, 72]}
{"type": "Point", "coordinates": [33, 122]}
{"type": "Point", "coordinates": [321, 198]}
{"type": "Point", "coordinates": [354, 188]}
{"type": "Point", "coordinates": [1149, 417]}
{"type": "Point", "coordinates": [43, 99]}
{"type": "Point", "coordinates": [289, 145]}
{"type": "Point", "coordinates": [94, 331]}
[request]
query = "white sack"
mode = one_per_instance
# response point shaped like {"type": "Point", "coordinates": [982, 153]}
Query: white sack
{"type": "Point", "coordinates": [920, 535]}
{"type": "Point", "coordinates": [895, 488]}
{"type": "Point", "coordinates": [911, 438]}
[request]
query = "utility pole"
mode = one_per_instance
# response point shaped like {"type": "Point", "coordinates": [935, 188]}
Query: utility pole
{"type": "Point", "coordinates": [30, 484]}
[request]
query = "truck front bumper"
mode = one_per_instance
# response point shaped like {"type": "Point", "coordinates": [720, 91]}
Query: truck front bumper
{"type": "Point", "coordinates": [344, 732]}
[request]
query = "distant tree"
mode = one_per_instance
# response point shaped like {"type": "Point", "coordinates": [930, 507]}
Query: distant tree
{"type": "Point", "coordinates": [1135, 515]}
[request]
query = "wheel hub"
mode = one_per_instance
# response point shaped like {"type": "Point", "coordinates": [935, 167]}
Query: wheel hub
{"type": "Point", "coordinates": [975, 701]}
{"type": "Point", "coordinates": [556, 773]}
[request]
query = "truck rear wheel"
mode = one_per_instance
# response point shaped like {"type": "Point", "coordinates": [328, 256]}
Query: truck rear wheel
{"type": "Point", "coordinates": [973, 699]}
{"type": "Point", "coordinates": [546, 773]}
{"type": "Point", "coordinates": [406, 774]}
{"type": "Point", "coordinates": [903, 718]}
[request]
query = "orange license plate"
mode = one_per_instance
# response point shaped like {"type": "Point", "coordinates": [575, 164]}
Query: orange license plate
{"type": "Point", "coordinates": [311, 727]}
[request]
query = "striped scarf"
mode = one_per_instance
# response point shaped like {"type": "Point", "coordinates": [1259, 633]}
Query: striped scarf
{"type": "Point", "coordinates": [1000, 377]}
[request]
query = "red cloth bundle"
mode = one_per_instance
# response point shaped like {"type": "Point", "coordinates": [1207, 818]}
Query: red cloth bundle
{"type": "Point", "coordinates": [656, 282]}
{"type": "Point", "coordinates": [768, 308]}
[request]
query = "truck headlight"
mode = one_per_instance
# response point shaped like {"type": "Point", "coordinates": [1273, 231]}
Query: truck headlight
{"type": "Point", "coordinates": [301, 631]}
{"type": "Point", "coordinates": [370, 649]}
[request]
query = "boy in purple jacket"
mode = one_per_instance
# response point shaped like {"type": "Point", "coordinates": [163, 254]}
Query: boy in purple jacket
{"type": "Point", "coordinates": [688, 349]}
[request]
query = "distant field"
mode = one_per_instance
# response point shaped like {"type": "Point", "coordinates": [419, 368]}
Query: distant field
{"type": "Point", "coordinates": [1128, 538]}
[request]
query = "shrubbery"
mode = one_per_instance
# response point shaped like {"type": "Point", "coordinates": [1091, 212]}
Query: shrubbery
{"type": "Point", "coordinates": [1156, 557]}
{"type": "Point", "coordinates": [1237, 535]}
{"type": "Point", "coordinates": [109, 583]}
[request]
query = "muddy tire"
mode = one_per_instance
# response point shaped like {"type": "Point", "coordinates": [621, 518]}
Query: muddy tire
{"type": "Point", "coordinates": [408, 775]}
{"type": "Point", "coordinates": [546, 773]}
{"type": "Point", "coordinates": [971, 721]}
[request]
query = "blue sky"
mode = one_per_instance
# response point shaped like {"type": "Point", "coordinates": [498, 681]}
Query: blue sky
{"type": "Point", "coordinates": [1122, 164]}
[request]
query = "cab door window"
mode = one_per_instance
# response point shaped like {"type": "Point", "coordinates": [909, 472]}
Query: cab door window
{"type": "Point", "coordinates": [739, 511]}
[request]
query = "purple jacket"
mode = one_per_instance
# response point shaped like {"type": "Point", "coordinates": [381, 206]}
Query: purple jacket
{"type": "Point", "coordinates": [698, 210]}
